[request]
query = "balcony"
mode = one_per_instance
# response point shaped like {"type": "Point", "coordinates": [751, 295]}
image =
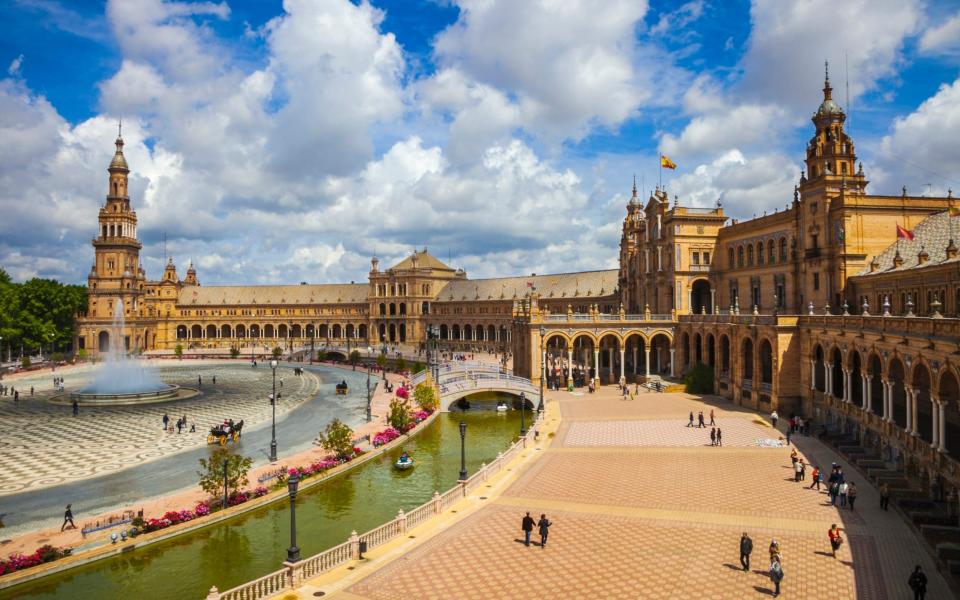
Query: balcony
{"type": "Point", "coordinates": [699, 268]}
{"type": "Point", "coordinates": [811, 253]}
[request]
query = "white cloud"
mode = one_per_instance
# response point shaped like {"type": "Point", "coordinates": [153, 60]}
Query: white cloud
{"type": "Point", "coordinates": [676, 20]}
{"type": "Point", "coordinates": [15, 64]}
{"type": "Point", "coordinates": [943, 38]}
{"type": "Point", "coordinates": [723, 128]}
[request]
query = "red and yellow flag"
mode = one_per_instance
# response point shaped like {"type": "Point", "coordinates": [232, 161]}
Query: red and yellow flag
{"type": "Point", "coordinates": [904, 233]}
{"type": "Point", "coordinates": [666, 163]}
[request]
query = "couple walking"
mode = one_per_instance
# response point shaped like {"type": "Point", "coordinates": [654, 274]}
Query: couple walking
{"type": "Point", "coordinates": [543, 525]}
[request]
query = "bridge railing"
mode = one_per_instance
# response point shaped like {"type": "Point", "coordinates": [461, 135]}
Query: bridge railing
{"type": "Point", "coordinates": [293, 574]}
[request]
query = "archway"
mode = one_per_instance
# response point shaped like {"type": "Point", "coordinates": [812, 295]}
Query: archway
{"type": "Point", "coordinates": [254, 331]}
{"type": "Point", "coordinates": [921, 398]}
{"type": "Point", "coordinates": [103, 342]}
{"type": "Point", "coordinates": [711, 351]}
{"type": "Point", "coordinates": [875, 375]}
{"type": "Point", "coordinates": [296, 331]}
{"type": "Point", "coordinates": [393, 332]}
{"type": "Point", "coordinates": [636, 354]}
{"type": "Point", "coordinates": [899, 397]}
{"type": "Point", "coordinates": [819, 370]}
{"type": "Point", "coordinates": [311, 331]}
{"type": "Point", "coordinates": [225, 331]}
{"type": "Point", "coordinates": [393, 309]}
{"type": "Point", "coordinates": [584, 358]}
{"type": "Point", "coordinates": [444, 332]}
{"type": "Point", "coordinates": [557, 365]}
{"type": "Point", "coordinates": [181, 332]}
{"type": "Point", "coordinates": [362, 332]}
{"type": "Point", "coordinates": [403, 332]}
{"type": "Point", "coordinates": [455, 332]}
{"type": "Point", "coordinates": [492, 333]}
{"type": "Point", "coordinates": [697, 349]}
{"type": "Point", "coordinates": [685, 350]}
{"type": "Point", "coordinates": [196, 332]}
{"type": "Point", "coordinates": [700, 300]}
{"type": "Point", "coordinates": [468, 332]}
{"type": "Point", "coordinates": [746, 369]}
{"type": "Point", "coordinates": [350, 331]}
{"type": "Point", "coordinates": [283, 331]}
{"type": "Point", "coordinates": [949, 392]}
{"type": "Point", "coordinates": [660, 354]}
{"type": "Point", "coordinates": [269, 331]}
{"type": "Point", "coordinates": [479, 331]}
{"type": "Point", "coordinates": [836, 373]}
{"type": "Point", "coordinates": [856, 382]}
{"type": "Point", "coordinates": [337, 332]}
{"type": "Point", "coordinates": [241, 331]}
{"type": "Point", "coordinates": [766, 362]}
{"type": "Point", "coordinates": [610, 366]}
{"type": "Point", "coordinates": [323, 331]}
{"type": "Point", "coordinates": [725, 355]}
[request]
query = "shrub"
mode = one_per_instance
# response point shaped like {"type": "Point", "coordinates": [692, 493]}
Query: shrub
{"type": "Point", "coordinates": [399, 416]}
{"type": "Point", "coordinates": [426, 397]}
{"type": "Point", "coordinates": [178, 351]}
{"type": "Point", "coordinates": [211, 477]}
{"type": "Point", "coordinates": [277, 351]}
{"type": "Point", "coordinates": [699, 379]}
{"type": "Point", "coordinates": [337, 438]}
{"type": "Point", "coordinates": [401, 364]}
{"type": "Point", "coordinates": [234, 352]}
{"type": "Point", "coordinates": [25, 362]}
{"type": "Point", "coordinates": [57, 357]}
{"type": "Point", "coordinates": [354, 359]}
{"type": "Point", "coordinates": [417, 367]}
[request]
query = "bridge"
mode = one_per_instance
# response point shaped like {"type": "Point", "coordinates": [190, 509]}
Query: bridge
{"type": "Point", "coordinates": [462, 378]}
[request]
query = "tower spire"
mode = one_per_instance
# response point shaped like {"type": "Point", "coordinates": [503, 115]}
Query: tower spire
{"type": "Point", "coordinates": [634, 185]}
{"type": "Point", "coordinates": [827, 90]}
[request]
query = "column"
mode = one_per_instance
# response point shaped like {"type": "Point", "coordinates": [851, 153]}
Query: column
{"type": "Point", "coordinates": [911, 415]}
{"type": "Point", "coordinates": [623, 366]}
{"type": "Point", "coordinates": [813, 374]}
{"type": "Point", "coordinates": [827, 383]}
{"type": "Point", "coordinates": [713, 300]}
{"type": "Point", "coordinates": [646, 360]}
{"type": "Point", "coordinates": [888, 401]}
{"type": "Point", "coordinates": [570, 366]}
{"type": "Point", "coordinates": [914, 428]}
{"type": "Point", "coordinates": [596, 365]}
{"type": "Point", "coordinates": [941, 420]}
{"type": "Point", "coordinates": [934, 425]}
{"type": "Point", "coordinates": [848, 385]}
{"type": "Point", "coordinates": [636, 367]}
{"type": "Point", "coordinates": [672, 372]}
{"type": "Point", "coordinates": [610, 363]}
{"type": "Point", "coordinates": [543, 366]}
{"type": "Point", "coordinates": [865, 393]}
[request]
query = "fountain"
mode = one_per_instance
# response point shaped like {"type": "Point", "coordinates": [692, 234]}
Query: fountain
{"type": "Point", "coordinates": [122, 379]}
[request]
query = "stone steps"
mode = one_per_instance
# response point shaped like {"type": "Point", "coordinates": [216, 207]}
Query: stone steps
{"type": "Point", "coordinates": [935, 534]}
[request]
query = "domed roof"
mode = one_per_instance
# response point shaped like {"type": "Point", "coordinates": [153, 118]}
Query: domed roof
{"type": "Point", "coordinates": [829, 107]}
{"type": "Point", "coordinates": [119, 162]}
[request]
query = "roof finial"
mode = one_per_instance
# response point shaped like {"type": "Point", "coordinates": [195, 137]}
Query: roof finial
{"type": "Point", "coordinates": [120, 127]}
{"type": "Point", "coordinates": [634, 185]}
{"type": "Point", "coordinates": [826, 72]}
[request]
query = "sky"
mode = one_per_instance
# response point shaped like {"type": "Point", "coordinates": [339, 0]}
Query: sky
{"type": "Point", "coordinates": [279, 142]}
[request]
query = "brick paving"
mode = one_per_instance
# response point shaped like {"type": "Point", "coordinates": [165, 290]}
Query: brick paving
{"type": "Point", "coordinates": [639, 516]}
{"type": "Point", "coordinates": [663, 433]}
{"type": "Point", "coordinates": [42, 444]}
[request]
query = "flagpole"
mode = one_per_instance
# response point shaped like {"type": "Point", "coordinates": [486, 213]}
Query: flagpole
{"type": "Point", "coordinates": [660, 173]}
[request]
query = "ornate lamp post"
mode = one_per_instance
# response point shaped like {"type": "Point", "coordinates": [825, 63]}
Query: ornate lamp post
{"type": "Point", "coordinates": [224, 483]}
{"type": "Point", "coordinates": [273, 421]}
{"type": "Point", "coordinates": [543, 368]}
{"type": "Point", "coordinates": [463, 451]}
{"type": "Point", "coordinates": [293, 552]}
{"type": "Point", "coordinates": [523, 410]}
{"type": "Point", "coordinates": [369, 414]}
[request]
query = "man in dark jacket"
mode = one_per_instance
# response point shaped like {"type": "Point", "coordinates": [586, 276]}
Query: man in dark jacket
{"type": "Point", "coordinates": [527, 526]}
{"type": "Point", "coordinates": [746, 547]}
{"type": "Point", "coordinates": [918, 583]}
{"type": "Point", "coordinates": [543, 525]}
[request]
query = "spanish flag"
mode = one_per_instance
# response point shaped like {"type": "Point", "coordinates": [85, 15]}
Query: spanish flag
{"type": "Point", "coordinates": [904, 233]}
{"type": "Point", "coordinates": [666, 163]}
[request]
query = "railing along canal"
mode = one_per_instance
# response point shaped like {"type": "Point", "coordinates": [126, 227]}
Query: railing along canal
{"type": "Point", "coordinates": [292, 575]}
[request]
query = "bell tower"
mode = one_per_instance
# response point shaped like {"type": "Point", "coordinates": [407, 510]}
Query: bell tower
{"type": "Point", "coordinates": [116, 275]}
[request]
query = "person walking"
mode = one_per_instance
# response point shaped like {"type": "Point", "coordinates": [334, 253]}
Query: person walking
{"type": "Point", "coordinates": [776, 575]}
{"type": "Point", "coordinates": [797, 467]}
{"type": "Point", "coordinates": [712, 421]}
{"type": "Point", "coordinates": [543, 525]}
{"type": "Point", "coordinates": [746, 548]}
{"type": "Point", "coordinates": [918, 583]}
{"type": "Point", "coordinates": [774, 550]}
{"type": "Point", "coordinates": [214, 380]}
{"type": "Point", "coordinates": [179, 426]}
{"type": "Point", "coordinates": [690, 424]}
{"type": "Point", "coordinates": [884, 496]}
{"type": "Point", "coordinates": [76, 408]}
{"type": "Point", "coordinates": [774, 417]}
{"type": "Point", "coordinates": [713, 436]}
{"type": "Point", "coordinates": [68, 518]}
{"type": "Point", "coordinates": [166, 421]}
{"type": "Point", "coordinates": [815, 477]}
{"type": "Point", "coordinates": [836, 540]}
{"type": "Point", "coordinates": [803, 470]}
{"type": "Point", "coordinates": [719, 437]}
{"type": "Point", "coordinates": [199, 380]}
{"type": "Point", "coordinates": [851, 494]}
{"type": "Point", "coordinates": [843, 489]}
{"type": "Point", "coordinates": [527, 526]}
{"type": "Point", "coordinates": [700, 422]}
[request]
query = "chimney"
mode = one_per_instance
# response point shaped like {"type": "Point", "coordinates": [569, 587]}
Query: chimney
{"type": "Point", "coordinates": [951, 250]}
{"type": "Point", "coordinates": [897, 260]}
{"type": "Point", "coordinates": [922, 256]}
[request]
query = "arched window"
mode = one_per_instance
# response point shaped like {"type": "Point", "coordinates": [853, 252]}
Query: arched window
{"type": "Point", "coordinates": [771, 253]}
{"type": "Point", "coordinates": [403, 308]}
{"type": "Point", "coordinates": [383, 309]}
{"type": "Point", "coordinates": [739, 256]}
{"type": "Point", "coordinates": [759, 253]}
{"type": "Point", "coordinates": [750, 256]}
{"type": "Point", "coordinates": [393, 309]}
{"type": "Point", "coordinates": [783, 249]}
{"type": "Point", "coordinates": [730, 258]}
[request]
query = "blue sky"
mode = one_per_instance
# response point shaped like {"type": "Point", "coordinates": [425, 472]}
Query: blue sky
{"type": "Point", "coordinates": [276, 142]}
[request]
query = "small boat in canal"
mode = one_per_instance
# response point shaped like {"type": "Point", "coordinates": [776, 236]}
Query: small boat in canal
{"type": "Point", "coordinates": [405, 462]}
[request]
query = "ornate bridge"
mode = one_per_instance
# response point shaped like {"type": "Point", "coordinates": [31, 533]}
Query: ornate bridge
{"type": "Point", "coordinates": [462, 378]}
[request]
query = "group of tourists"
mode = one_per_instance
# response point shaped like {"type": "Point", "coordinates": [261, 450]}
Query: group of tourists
{"type": "Point", "coordinates": [58, 385]}
{"type": "Point", "coordinates": [6, 390]}
{"type": "Point", "coordinates": [543, 527]}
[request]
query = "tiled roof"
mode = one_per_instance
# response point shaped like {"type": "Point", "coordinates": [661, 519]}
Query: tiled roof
{"type": "Point", "coordinates": [343, 293]}
{"type": "Point", "coordinates": [424, 260]}
{"type": "Point", "coordinates": [563, 285]}
{"type": "Point", "coordinates": [933, 234]}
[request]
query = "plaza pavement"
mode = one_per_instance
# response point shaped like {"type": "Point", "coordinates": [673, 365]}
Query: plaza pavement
{"type": "Point", "coordinates": [644, 507]}
{"type": "Point", "coordinates": [43, 445]}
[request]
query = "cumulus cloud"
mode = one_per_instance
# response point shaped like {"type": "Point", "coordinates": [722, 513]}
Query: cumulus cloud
{"type": "Point", "coordinates": [943, 38]}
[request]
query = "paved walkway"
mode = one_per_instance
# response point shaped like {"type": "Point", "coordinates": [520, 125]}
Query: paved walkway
{"type": "Point", "coordinates": [43, 445]}
{"type": "Point", "coordinates": [642, 508]}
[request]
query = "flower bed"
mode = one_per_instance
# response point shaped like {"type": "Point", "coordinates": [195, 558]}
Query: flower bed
{"type": "Point", "coordinates": [43, 554]}
{"type": "Point", "coordinates": [385, 437]}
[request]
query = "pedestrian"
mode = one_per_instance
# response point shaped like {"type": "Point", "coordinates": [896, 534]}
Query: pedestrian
{"type": "Point", "coordinates": [834, 491]}
{"type": "Point", "coordinates": [884, 496]}
{"type": "Point", "coordinates": [184, 418]}
{"type": "Point", "coordinates": [527, 526]}
{"type": "Point", "coordinates": [789, 435]}
{"type": "Point", "coordinates": [836, 540]}
{"type": "Point", "coordinates": [543, 525]}
{"type": "Point", "coordinates": [774, 550]}
{"type": "Point", "coordinates": [776, 575]}
{"type": "Point", "coordinates": [712, 421]}
{"type": "Point", "coordinates": [713, 436]}
{"type": "Point", "coordinates": [918, 583]}
{"type": "Point", "coordinates": [76, 408]}
{"type": "Point", "coordinates": [719, 437]}
{"type": "Point", "coordinates": [851, 494]}
{"type": "Point", "coordinates": [746, 547]}
{"type": "Point", "coordinates": [843, 489]}
{"type": "Point", "coordinates": [31, 390]}
{"type": "Point", "coordinates": [816, 476]}
{"type": "Point", "coordinates": [179, 426]}
{"type": "Point", "coordinates": [166, 421]}
{"type": "Point", "coordinates": [214, 380]}
{"type": "Point", "coordinates": [803, 470]}
{"type": "Point", "coordinates": [794, 457]}
{"type": "Point", "coordinates": [800, 425]}
{"type": "Point", "coordinates": [68, 518]}
{"type": "Point", "coordinates": [199, 380]}
{"type": "Point", "coordinates": [193, 427]}
{"type": "Point", "coordinates": [774, 417]}
{"type": "Point", "coordinates": [797, 467]}
{"type": "Point", "coordinates": [690, 424]}
{"type": "Point", "coordinates": [700, 422]}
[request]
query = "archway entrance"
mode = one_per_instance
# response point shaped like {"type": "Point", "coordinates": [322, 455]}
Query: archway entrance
{"type": "Point", "coordinates": [950, 397]}
{"type": "Point", "coordinates": [700, 300]}
{"type": "Point", "coordinates": [899, 397]}
{"type": "Point", "coordinates": [921, 397]}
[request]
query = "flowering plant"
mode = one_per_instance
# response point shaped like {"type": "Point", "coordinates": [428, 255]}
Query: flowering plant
{"type": "Point", "coordinates": [202, 509]}
{"type": "Point", "coordinates": [43, 554]}
{"type": "Point", "coordinates": [260, 491]}
{"type": "Point", "coordinates": [403, 393]}
{"type": "Point", "coordinates": [421, 415]}
{"type": "Point", "coordinates": [386, 436]}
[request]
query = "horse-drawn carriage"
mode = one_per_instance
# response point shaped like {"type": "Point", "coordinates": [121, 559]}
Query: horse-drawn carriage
{"type": "Point", "coordinates": [219, 434]}
{"type": "Point", "coordinates": [342, 388]}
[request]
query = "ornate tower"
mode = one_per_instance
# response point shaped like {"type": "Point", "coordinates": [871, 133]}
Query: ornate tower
{"type": "Point", "coordinates": [116, 275]}
{"type": "Point", "coordinates": [631, 238]}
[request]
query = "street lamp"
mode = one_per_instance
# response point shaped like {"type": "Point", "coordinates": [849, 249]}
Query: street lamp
{"type": "Point", "coordinates": [523, 410]}
{"type": "Point", "coordinates": [293, 553]}
{"type": "Point", "coordinates": [543, 367]}
{"type": "Point", "coordinates": [463, 451]}
{"type": "Point", "coordinates": [369, 414]}
{"type": "Point", "coordinates": [225, 483]}
{"type": "Point", "coordinates": [273, 423]}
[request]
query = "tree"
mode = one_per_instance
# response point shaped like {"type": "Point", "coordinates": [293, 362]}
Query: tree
{"type": "Point", "coordinates": [417, 367]}
{"type": "Point", "coordinates": [382, 361]}
{"type": "Point", "coordinates": [354, 358]}
{"type": "Point", "coordinates": [399, 416]}
{"type": "Point", "coordinates": [234, 352]}
{"type": "Point", "coordinates": [426, 397]}
{"type": "Point", "coordinates": [401, 364]}
{"type": "Point", "coordinates": [699, 380]}
{"type": "Point", "coordinates": [337, 438]}
{"type": "Point", "coordinates": [211, 475]}
{"type": "Point", "coordinates": [178, 351]}
{"type": "Point", "coordinates": [321, 355]}
{"type": "Point", "coordinates": [277, 351]}
{"type": "Point", "coordinates": [25, 361]}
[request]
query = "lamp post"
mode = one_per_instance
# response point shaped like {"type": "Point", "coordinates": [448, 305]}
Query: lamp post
{"type": "Point", "coordinates": [543, 367]}
{"type": "Point", "coordinates": [225, 483]}
{"type": "Point", "coordinates": [463, 451]}
{"type": "Point", "coordinates": [293, 553]}
{"type": "Point", "coordinates": [273, 421]}
{"type": "Point", "coordinates": [369, 414]}
{"type": "Point", "coordinates": [523, 410]}
{"type": "Point", "coordinates": [1, 349]}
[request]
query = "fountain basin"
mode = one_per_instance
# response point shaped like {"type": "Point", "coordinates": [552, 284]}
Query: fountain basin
{"type": "Point", "coordinates": [168, 393]}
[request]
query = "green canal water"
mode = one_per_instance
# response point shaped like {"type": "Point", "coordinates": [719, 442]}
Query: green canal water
{"type": "Point", "coordinates": [255, 544]}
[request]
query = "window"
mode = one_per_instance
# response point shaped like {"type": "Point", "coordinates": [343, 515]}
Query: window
{"type": "Point", "coordinates": [749, 256]}
{"type": "Point", "coordinates": [760, 253]}
{"type": "Point", "coordinates": [814, 241]}
{"type": "Point", "coordinates": [730, 257]}
{"type": "Point", "coordinates": [783, 249]}
{"type": "Point", "coordinates": [706, 258]}
{"type": "Point", "coordinates": [816, 281]}
{"type": "Point", "coordinates": [739, 256]}
{"type": "Point", "coordinates": [696, 258]}
{"type": "Point", "coordinates": [771, 255]}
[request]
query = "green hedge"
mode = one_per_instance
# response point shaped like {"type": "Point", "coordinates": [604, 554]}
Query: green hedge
{"type": "Point", "coordinates": [699, 379]}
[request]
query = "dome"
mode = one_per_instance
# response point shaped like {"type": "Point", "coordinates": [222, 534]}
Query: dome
{"type": "Point", "coordinates": [119, 162]}
{"type": "Point", "coordinates": [829, 107]}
